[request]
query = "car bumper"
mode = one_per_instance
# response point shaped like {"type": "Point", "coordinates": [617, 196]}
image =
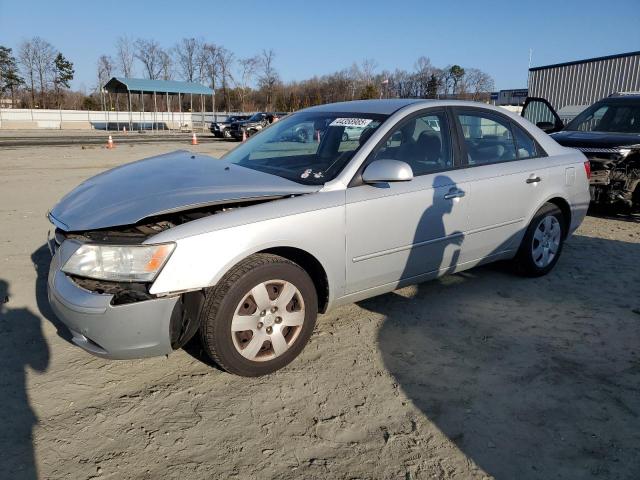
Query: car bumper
{"type": "Point", "coordinates": [133, 330]}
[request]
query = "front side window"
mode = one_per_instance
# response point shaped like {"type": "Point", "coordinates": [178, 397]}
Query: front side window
{"type": "Point", "coordinates": [612, 117]}
{"type": "Point", "coordinates": [307, 147]}
{"type": "Point", "coordinates": [423, 142]}
{"type": "Point", "coordinates": [488, 139]}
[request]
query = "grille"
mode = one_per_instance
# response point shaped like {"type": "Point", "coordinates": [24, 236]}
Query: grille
{"type": "Point", "coordinates": [597, 150]}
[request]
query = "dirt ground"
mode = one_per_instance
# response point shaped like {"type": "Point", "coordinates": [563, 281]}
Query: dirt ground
{"type": "Point", "coordinates": [477, 375]}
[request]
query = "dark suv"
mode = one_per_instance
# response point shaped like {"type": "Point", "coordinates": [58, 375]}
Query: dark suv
{"type": "Point", "coordinates": [254, 124]}
{"type": "Point", "coordinates": [221, 129]}
{"type": "Point", "coordinates": [608, 133]}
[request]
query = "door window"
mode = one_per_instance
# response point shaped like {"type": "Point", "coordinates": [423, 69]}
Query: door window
{"type": "Point", "coordinates": [488, 139]}
{"type": "Point", "coordinates": [423, 142]}
{"type": "Point", "coordinates": [540, 114]}
{"type": "Point", "coordinates": [526, 147]}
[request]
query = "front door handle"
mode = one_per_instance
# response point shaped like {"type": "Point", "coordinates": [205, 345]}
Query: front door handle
{"type": "Point", "coordinates": [534, 180]}
{"type": "Point", "coordinates": [454, 194]}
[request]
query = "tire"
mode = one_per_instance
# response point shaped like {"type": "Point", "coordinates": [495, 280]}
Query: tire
{"type": "Point", "coordinates": [232, 303]}
{"type": "Point", "coordinates": [547, 226]}
{"type": "Point", "coordinates": [345, 137]}
{"type": "Point", "coordinates": [226, 133]}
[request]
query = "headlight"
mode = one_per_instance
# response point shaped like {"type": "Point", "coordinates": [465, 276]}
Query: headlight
{"type": "Point", "coordinates": [120, 263]}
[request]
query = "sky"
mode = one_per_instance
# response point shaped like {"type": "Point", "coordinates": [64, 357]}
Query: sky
{"type": "Point", "coordinates": [319, 37]}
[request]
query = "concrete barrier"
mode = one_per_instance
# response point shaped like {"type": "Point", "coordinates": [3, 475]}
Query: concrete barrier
{"type": "Point", "coordinates": [24, 119]}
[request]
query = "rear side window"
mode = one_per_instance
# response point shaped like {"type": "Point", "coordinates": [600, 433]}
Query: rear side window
{"type": "Point", "coordinates": [488, 139]}
{"type": "Point", "coordinates": [525, 146]}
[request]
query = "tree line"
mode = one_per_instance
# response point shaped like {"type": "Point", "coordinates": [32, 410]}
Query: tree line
{"type": "Point", "coordinates": [40, 76]}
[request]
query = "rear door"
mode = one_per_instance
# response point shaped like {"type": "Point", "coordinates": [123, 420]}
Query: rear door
{"type": "Point", "coordinates": [540, 112]}
{"type": "Point", "coordinates": [507, 173]}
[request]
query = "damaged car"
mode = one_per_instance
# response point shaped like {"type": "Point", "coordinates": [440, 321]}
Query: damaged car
{"type": "Point", "coordinates": [246, 250]}
{"type": "Point", "coordinates": [608, 133]}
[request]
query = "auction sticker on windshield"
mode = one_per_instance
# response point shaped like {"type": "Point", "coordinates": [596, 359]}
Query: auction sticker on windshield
{"type": "Point", "coordinates": [350, 122]}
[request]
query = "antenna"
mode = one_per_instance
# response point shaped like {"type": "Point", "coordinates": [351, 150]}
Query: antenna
{"type": "Point", "coordinates": [530, 56]}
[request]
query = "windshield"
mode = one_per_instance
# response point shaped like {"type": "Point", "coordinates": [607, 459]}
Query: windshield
{"type": "Point", "coordinates": [615, 117]}
{"type": "Point", "coordinates": [256, 117]}
{"type": "Point", "coordinates": [307, 147]}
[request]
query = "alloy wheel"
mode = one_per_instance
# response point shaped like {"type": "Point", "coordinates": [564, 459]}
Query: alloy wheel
{"type": "Point", "coordinates": [268, 320]}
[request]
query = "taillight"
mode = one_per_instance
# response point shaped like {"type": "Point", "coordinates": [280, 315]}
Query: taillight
{"type": "Point", "coordinates": [587, 169]}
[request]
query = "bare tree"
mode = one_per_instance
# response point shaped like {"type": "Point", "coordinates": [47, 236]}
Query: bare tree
{"type": "Point", "coordinates": [106, 68]}
{"type": "Point", "coordinates": [424, 71]}
{"type": "Point", "coordinates": [26, 58]}
{"type": "Point", "coordinates": [225, 62]}
{"type": "Point", "coordinates": [269, 76]}
{"type": "Point", "coordinates": [368, 68]}
{"type": "Point", "coordinates": [166, 63]}
{"type": "Point", "coordinates": [477, 83]}
{"type": "Point", "coordinates": [151, 56]}
{"type": "Point", "coordinates": [125, 55]}
{"type": "Point", "coordinates": [208, 64]}
{"type": "Point", "coordinates": [36, 58]}
{"type": "Point", "coordinates": [248, 67]}
{"type": "Point", "coordinates": [188, 51]}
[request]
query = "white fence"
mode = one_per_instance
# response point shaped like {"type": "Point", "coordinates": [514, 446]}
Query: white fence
{"type": "Point", "coordinates": [84, 120]}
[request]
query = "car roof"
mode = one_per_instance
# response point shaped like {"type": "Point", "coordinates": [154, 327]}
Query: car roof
{"type": "Point", "coordinates": [386, 106]}
{"type": "Point", "coordinates": [392, 105]}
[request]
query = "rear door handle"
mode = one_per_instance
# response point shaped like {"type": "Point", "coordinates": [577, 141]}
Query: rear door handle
{"type": "Point", "coordinates": [534, 180]}
{"type": "Point", "coordinates": [454, 194]}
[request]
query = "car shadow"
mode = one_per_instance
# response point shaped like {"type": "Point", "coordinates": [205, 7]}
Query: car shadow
{"type": "Point", "coordinates": [23, 348]}
{"type": "Point", "coordinates": [530, 378]}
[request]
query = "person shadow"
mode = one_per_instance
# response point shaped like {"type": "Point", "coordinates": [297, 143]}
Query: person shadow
{"type": "Point", "coordinates": [23, 347]}
{"type": "Point", "coordinates": [41, 259]}
{"type": "Point", "coordinates": [514, 371]}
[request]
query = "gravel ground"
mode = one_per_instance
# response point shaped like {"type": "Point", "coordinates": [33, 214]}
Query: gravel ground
{"type": "Point", "coordinates": [477, 375]}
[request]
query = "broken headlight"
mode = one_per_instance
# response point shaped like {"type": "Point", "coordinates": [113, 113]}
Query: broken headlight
{"type": "Point", "coordinates": [119, 263]}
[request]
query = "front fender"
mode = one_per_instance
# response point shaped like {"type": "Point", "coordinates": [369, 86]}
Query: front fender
{"type": "Point", "coordinates": [200, 261]}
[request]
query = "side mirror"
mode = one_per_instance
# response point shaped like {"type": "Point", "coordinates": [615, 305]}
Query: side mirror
{"type": "Point", "coordinates": [546, 126]}
{"type": "Point", "coordinates": [382, 171]}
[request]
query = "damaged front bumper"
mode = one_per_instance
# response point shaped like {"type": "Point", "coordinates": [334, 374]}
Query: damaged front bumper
{"type": "Point", "coordinates": [132, 330]}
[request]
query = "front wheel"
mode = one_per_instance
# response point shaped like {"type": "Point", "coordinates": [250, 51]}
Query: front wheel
{"type": "Point", "coordinates": [260, 315]}
{"type": "Point", "coordinates": [542, 243]}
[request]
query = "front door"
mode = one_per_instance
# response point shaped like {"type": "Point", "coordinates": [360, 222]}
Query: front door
{"type": "Point", "coordinates": [407, 231]}
{"type": "Point", "coordinates": [540, 112]}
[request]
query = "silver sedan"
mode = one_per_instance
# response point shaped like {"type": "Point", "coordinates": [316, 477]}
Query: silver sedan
{"type": "Point", "coordinates": [245, 251]}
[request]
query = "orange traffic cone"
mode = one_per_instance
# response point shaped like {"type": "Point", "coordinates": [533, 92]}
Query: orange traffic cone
{"type": "Point", "coordinates": [110, 143]}
{"type": "Point", "coordinates": [194, 139]}
{"type": "Point", "coordinates": [244, 135]}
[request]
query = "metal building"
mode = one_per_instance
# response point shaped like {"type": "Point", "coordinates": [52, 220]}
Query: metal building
{"type": "Point", "coordinates": [583, 82]}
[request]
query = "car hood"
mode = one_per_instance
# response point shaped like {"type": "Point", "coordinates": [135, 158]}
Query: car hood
{"type": "Point", "coordinates": [167, 183]}
{"type": "Point", "coordinates": [575, 139]}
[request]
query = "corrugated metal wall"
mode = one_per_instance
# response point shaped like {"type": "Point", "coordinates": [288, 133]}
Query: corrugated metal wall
{"type": "Point", "coordinates": [583, 83]}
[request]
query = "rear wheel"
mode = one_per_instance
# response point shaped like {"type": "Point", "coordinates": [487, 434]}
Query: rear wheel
{"type": "Point", "coordinates": [260, 315]}
{"type": "Point", "coordinates": [542, 243]}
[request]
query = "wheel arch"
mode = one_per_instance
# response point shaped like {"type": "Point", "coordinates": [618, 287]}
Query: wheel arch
{"type": "Point", "coordinates": [311, 265]}
{"type": "Point", "coordinates": [565, 208]}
